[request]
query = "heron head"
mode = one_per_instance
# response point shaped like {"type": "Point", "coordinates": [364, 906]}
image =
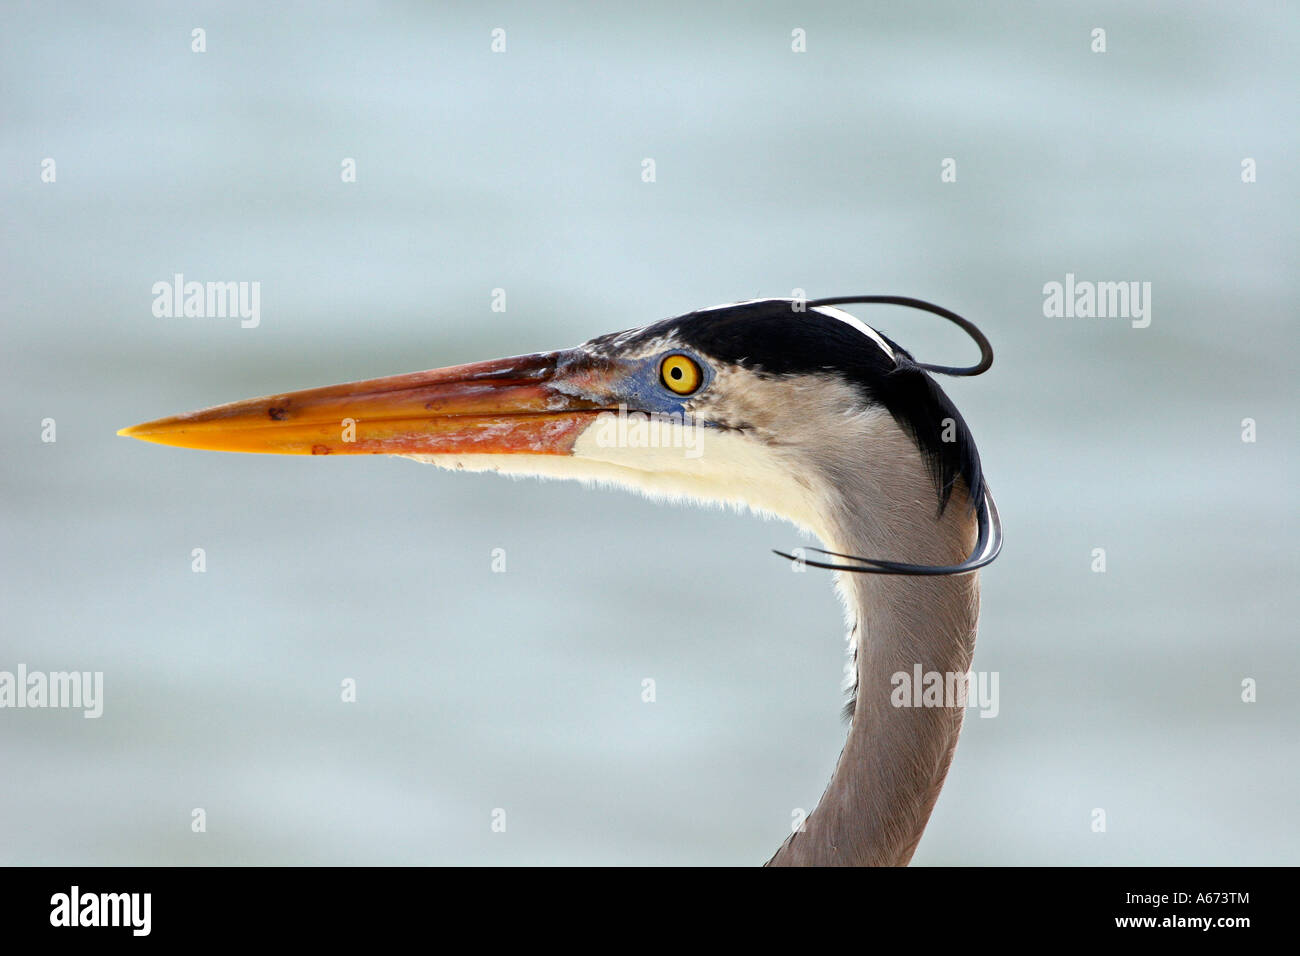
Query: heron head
{"type": "Point", "coordinates": [760, 403]}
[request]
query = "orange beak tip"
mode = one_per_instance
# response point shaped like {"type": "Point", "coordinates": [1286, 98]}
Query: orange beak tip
{"type": "Point", "coordinates": [504, 406]}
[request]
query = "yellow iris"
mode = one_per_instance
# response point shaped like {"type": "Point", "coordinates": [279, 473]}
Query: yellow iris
{"type": "Point", "coordinates": [680, 374]}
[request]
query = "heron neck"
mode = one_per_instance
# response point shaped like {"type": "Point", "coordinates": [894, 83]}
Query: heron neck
{"type": "Point", "coordinates": [896, 757]}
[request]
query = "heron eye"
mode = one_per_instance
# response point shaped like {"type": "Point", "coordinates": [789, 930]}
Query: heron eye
{"type": "Point", "coordinates": [680, 374]}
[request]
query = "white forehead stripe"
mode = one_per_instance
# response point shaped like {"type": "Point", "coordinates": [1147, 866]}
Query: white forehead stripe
{"type": "Point", "coordinates": [732, 305]}
{"type": "Point", "coordinates": [831, 312]}
{"type": "Point", "coordinates": [861, 326]}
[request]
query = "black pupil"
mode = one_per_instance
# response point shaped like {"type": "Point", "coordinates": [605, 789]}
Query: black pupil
{"type": "Point", "coordinates": [675, 371]}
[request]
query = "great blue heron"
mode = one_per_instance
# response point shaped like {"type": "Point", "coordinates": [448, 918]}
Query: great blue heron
{"type": "Point", "coordinates": [793, 408]}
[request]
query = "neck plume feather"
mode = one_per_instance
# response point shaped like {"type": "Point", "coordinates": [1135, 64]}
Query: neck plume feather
{"type": "Point", "coordinates": [894, 762]}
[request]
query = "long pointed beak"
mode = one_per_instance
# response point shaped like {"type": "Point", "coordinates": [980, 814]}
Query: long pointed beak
{"type": "Point", "coordinates": [506, 406]}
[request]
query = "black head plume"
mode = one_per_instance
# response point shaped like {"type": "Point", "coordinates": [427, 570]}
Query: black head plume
{"type": "Point", "coordinates": [988, 543]}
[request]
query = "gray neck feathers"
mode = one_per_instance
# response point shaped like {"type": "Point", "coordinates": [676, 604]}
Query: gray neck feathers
{"type": "Point", "coordinates": [895, 759]}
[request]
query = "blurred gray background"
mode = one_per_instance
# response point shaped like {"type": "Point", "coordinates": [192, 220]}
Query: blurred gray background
{"type": "Point", "coordinates": [522, 171]}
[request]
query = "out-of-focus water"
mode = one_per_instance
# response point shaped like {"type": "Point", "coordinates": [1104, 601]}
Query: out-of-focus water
{"type": "Point", "coordinates": [522, 171]}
